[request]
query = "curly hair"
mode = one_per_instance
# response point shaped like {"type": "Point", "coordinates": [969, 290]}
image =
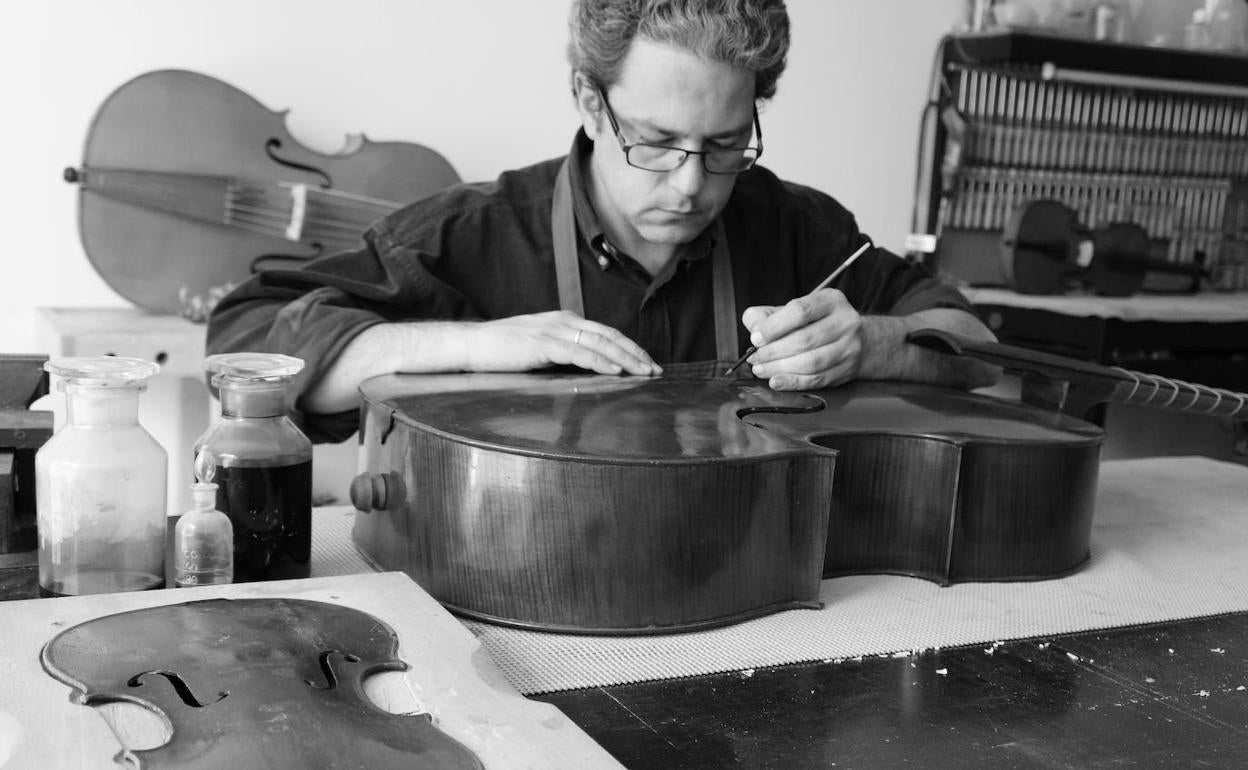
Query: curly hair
{"type": "Point", "coordinates": [752, 35]}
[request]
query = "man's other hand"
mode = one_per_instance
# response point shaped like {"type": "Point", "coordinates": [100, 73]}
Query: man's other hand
{"type": "Point", "coordinates": [527, 342]}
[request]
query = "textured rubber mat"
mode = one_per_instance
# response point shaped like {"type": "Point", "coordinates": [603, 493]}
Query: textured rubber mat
{"type": "Point", "coordinates": [1169, 541]}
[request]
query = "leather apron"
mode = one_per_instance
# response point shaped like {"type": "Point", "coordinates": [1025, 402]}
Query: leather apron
{"type": "Point", "coordinates": [724, 303]}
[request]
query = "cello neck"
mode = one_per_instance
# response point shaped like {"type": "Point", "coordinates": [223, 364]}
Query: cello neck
{"type": "Point", "coordinates": [1086, 383]}
{"type": "Point", "coordinates": [326, 219]}
{"type": "Point", "coordinates": [1144, 389]}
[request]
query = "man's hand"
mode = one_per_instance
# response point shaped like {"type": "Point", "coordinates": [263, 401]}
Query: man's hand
{"type": "Point", "coordinates": [813, 341]}
{"type": "Point", "coordinates": [523, 343]}
{"type": "Point", "coordinates": [820, 340]}
{"type": "Point", "coordinates": [517, 344]}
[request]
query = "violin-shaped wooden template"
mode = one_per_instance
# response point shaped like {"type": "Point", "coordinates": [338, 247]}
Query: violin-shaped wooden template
{"type": "Point", "coordinates": [251, 683]}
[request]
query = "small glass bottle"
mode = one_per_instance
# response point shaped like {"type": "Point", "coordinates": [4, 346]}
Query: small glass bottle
{"type": "Point", "coordinates": [203, 539]}
{"type": "Point", "coordinates": [263, 465]}
{"type": "Point", "coordinates": [100, 484]}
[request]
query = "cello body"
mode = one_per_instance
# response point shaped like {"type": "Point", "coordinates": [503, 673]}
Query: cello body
{"type": "Point", "coordinates": [950, 486]}
{"type": "Point", "coordinates": [188, 185]}
{"type": "Point", "coordinates": [630, 505]}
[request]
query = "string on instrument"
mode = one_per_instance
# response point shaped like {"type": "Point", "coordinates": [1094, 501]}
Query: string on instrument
{"type": "Point", "coordinates": [252, 207]}
{"type": "Point", "coordinates": [332, 219]}
{"type": "Point", "coordinates": [1154, 384]}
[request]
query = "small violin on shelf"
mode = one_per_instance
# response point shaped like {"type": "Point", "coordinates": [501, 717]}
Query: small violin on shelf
{"type": "Point", "coordinates": [1046, 250]}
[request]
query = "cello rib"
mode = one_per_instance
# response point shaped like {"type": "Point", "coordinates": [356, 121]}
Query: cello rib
{"type": "Point", "coordinates": [593, 504]}
{"type": "Point", "coordinates": [635, 505]}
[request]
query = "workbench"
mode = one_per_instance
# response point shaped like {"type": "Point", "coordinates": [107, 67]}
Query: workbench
{"type": "Point", "coordinates": [1199, 338]}
{"type": "Point", "coordinates": [1172, 693]}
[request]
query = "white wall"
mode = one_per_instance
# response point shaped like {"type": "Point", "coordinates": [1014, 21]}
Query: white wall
{"type": "Point", "coordinates": [481, 81]}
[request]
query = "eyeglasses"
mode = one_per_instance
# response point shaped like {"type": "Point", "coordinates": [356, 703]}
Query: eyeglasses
{"type": "Point", "coordinates": [660, 158]}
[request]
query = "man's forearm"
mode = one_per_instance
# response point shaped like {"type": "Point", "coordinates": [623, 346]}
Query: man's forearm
{"type": "Point", "coordinates": [515, 344]}
{"type": "Point", "coordinates": [435, 346]}
{"type": "Point", "coordinates": [887, 355]}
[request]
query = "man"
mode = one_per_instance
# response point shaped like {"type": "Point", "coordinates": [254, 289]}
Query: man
{"type": "Point", "coordinates": [630, 257]}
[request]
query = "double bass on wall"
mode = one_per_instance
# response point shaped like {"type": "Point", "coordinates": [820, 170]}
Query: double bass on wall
{"type": "Point", "coordinates": [188, 185]}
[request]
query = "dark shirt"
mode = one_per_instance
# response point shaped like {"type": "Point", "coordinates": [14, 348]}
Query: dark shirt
{"type": "Point", "coordinates": [484, 251]}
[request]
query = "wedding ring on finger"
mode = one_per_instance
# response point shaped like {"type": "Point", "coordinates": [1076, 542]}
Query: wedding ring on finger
{"type": "Point", "coordinates": [577, 339]}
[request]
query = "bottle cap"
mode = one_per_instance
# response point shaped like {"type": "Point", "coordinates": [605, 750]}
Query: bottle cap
{"type": "Point", "coordinates": [253, 366]}
{"type": "Point", "coordinates": [203, 496]}
{"type": "Point", "coordinates": [101, 370]}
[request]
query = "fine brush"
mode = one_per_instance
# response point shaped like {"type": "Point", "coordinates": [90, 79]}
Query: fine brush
{"type": "Point", "coordinates": [822, 285]}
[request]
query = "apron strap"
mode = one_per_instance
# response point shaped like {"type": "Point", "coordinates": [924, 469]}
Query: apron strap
{"type": "Point", "coordinates": [568, 269]}
{"type": "Point", "coordinates": [724, 297]}
{"type": "Point", "coordinates": [563, 228]}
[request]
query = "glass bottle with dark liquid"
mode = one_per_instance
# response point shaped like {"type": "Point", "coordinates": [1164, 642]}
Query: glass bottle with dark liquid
{"type": "Point", "coordinates": [263, 466]}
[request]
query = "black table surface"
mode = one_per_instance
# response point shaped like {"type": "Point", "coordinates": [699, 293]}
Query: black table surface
{"type": "Point", "coordinates": [1167, 695]}
{"type": "Point", "coordinates": [1170, 695]}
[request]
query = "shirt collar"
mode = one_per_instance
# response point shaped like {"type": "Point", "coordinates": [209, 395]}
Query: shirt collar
{"type": "Point", "coordinates": [578, 164]}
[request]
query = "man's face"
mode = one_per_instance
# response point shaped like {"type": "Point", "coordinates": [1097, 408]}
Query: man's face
{"type": "Point", "coordinates": [667, 96]}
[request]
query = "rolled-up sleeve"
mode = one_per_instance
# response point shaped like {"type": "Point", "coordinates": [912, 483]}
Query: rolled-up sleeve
{"type": "Point", "coordinates": [314, 312]}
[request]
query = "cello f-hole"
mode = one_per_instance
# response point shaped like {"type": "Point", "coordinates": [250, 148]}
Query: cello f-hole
{"type": "Point", "coordinates": [274, 143]}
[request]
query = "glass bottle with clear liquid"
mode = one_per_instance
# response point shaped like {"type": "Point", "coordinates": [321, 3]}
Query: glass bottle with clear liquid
{"type": "Point", "coordinates": [263, 465]}
{"type": "Point", "coordinates": [203, 539]}
{"type": "Point", "coordinates": [100, 484]}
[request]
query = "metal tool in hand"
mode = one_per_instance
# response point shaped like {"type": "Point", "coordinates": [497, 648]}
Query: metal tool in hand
{"type": "Point", "coordinates": [822, 285]}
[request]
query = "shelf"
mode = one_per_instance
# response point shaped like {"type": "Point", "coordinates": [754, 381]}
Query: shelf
{"type": "Point", "coordinates": [1036, 48]}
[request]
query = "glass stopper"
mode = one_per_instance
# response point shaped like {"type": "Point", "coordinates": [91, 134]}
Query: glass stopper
{"type": "Point", "coordinates": [205, 466]}
{"type": "Point", "coordinates": [253, 366]}
{"type": "Point", "coordinates": [101, 370]}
